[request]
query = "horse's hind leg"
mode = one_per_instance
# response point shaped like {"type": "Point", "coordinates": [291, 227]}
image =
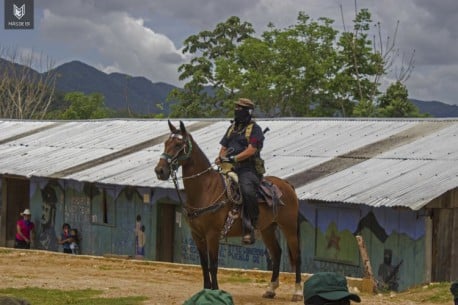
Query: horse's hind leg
{"type": "Point", "coordinates": [270, 240]}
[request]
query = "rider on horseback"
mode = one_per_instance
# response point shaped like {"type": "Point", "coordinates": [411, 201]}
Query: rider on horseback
{"type": "Point", "coordinates": [242, 151]}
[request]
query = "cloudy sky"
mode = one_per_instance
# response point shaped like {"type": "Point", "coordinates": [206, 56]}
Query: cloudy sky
{"type": "Point", "coordinates": [144, 37]}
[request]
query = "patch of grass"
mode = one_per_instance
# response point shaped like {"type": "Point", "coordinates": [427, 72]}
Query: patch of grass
{"type": "Point", "coordinates": [4, 251]}
{"type": "Point", "coordinates": [440, 292]}
{"type": "Point", "coordinates": [73, 297]}
{"type": "Point", "coordinates": [433, 293]}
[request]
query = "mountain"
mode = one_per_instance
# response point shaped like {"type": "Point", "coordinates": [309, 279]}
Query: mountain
{"type": "Point", "coordinates": [436, 109]}
{"type": "Point", "coordinates": [121, 91]}
{"type": "Point", "coordinates": [11, 69]}
{"type": "Point", "coordinates": [141, 96]}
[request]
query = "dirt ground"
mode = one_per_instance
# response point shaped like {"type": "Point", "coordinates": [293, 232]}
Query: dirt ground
{"type": "Point", "coordinates": [162, 283]}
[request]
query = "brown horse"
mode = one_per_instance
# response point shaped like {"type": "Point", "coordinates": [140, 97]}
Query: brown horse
{"type": "Point", "coordinates": [207, 207]}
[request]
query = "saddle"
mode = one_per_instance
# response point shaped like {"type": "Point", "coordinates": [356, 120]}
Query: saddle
{"type": "Point", "coordinates": [267, 193]}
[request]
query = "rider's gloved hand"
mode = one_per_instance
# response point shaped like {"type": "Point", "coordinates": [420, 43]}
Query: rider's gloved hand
{"type": "Point", "coordinates": [230, 159]}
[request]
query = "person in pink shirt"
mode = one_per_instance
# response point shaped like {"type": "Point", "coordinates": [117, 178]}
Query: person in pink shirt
{"type": "Point", "coordinates": [25, 229]}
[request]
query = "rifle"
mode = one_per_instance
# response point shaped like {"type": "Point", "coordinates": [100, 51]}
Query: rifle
{"type": "Point", "coordinates": [394, 272]}
{"type": "Point", "coordinates": [389, 283]}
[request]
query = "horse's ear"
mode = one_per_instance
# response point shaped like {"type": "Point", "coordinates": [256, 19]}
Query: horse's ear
{"type": "Point", "coordinates": [182, 128]}
{"type": "Point", "coordinates": [172, 128]}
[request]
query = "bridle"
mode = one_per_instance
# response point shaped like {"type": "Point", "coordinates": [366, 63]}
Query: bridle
{"type": "Point", "coordinates": [172, 161]}
{"type": "Point", "coordinates": [184, 153]}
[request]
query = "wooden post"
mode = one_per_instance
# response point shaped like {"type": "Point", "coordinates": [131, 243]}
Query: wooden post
{"type": "Point", "coordinates": [366, 262]}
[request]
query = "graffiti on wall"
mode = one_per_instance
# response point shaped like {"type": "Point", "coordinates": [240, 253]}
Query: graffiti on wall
{"type": "Point", "coordinates": [229, 254]}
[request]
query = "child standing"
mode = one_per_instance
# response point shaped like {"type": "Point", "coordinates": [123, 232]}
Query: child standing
{"type": "Point", "coordinates": [74, 245]}
{"type": "Point", "coordinates": [65, 238]}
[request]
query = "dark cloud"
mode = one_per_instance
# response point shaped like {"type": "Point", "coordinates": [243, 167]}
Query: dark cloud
{"type": "Point", "coordinates": [144, 37]}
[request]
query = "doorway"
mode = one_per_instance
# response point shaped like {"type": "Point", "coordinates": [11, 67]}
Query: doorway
{"type": "Point", "coordinates": [165, 232]}
{"type": "Point", "coordinates": [15, 198]}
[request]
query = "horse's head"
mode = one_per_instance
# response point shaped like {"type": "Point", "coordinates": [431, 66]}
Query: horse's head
{"type": "Point", "coordinates": [177, 149]}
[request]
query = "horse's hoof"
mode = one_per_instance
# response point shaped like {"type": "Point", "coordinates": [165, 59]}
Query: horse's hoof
{"type": "Point", "coordinates": [268, 295]}
{"type": "Point", "coordinates": [297, 298]}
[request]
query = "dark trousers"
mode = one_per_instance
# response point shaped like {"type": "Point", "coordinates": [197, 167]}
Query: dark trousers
{"type": "Point", "coordinates": [249, 183]}
{"type": "Point", "coordinates": [21, 244]}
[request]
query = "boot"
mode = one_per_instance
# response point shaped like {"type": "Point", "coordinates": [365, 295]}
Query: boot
{"type": "Point", "coordinates": [248, 226]}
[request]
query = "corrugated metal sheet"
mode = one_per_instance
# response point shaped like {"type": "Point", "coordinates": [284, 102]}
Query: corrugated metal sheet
{"type": "Point", "coordinates": [409, 175]}
{"type": "Point", "coordinates": [72, 143]}
{"type": "Point", "coordinates": [14, 128]}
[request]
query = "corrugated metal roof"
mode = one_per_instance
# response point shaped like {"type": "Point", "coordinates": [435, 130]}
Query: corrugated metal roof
{"type": "Point", "coordinates": [411, 173]}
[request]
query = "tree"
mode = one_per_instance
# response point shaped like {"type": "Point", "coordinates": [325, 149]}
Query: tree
{"type": "Point", "coordinates": [284, 70]}
{"type": "Point", "coordinates": [83, 107]}
{"type": "Point", "coordinates": [395, 102]}
{"type": "Point", "coordinates": [307, 69]}
{"type": "Point", "coordinates": [360, 66]}
{"type": "Point", "coordinates": [24, 92]}
{"type": "Point", "coordinates": [207, 47]}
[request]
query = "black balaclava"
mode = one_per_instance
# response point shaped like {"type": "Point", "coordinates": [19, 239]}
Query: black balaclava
{"type": "Point", "coordinates": [242, 115]}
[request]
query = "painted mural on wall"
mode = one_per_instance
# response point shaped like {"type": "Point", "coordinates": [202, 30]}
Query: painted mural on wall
{"type": "Point", "coordinates": [397, 247]}
{"type": "Point", "coordinates": [140, 238]}
{"type": "Point", "coordinates": [334, 235]}
{"type": "Point", "coordinates": [394, 240]}
{"type": "Point", "coordinates": [388, 274]}
{"type": "Point", "coordinates": [51, 196]}
{"type": "Point", "coordinates": [107, 224]}
{"type": "Point", "coordinates": [130, 206]}
{"type": "Point", "coordinates": [103, 215]}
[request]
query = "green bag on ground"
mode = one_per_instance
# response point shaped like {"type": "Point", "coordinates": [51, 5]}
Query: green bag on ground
{"type": "Point", "coordinates": [210, 297]}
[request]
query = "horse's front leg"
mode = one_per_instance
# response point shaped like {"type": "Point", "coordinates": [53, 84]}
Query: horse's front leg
{"type": "Point", "coordinates": [201, 245]}
{"type": "Point", "coordinates": [213, 250]}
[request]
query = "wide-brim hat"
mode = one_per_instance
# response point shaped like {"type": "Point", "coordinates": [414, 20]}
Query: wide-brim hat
{"type": "Point", "coordinates": [328, 285]}
{"type": "Point", "coordinates": [26, 212]}
{"type": "Point", "coordinates": [244, 102]}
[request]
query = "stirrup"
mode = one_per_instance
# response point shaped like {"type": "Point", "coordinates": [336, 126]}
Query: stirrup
{"type": "Point", "coordinates": [248, 239]}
